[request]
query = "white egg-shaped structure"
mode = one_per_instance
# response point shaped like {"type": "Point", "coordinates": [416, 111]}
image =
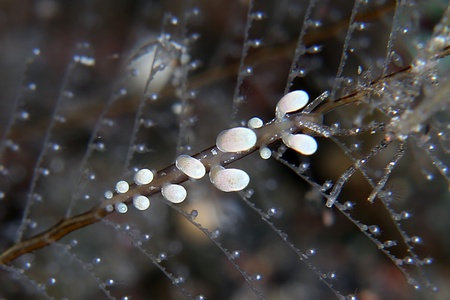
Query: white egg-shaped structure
{"type": "Point", "coordinates": [121, 207]}
{"type": "Point", "coordinates": [122, 187]}
{"type": "Point", "coordinates": [190, 166]}
{"type": "Point", "coordinates": [302, 143]}
{"type": "Point", "coordinates": [143, 176]}
{"type": "Point", "coordinates": [265, 153]}
{"type": "Point", "coordinates": [229, 180]}
{"type": "Point", "coordinates": [141, 202]}
{"type": "Point", "coordinates": [290, 102]}
{"type": "Point", "coordinates": [255, 122]}
{"type": "Point", "coordinates": [236, 139]}
{"type": "Point", "coordinates": [174, 193]}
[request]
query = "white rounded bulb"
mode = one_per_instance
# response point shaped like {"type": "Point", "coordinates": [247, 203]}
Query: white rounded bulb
{"type": "Point", "coordinates": [290, 102]}
{"type": "Point", "coordinates": [190, 166]}
{"type": "Point", "coordinates": [236, 139]}
{"type": "Point", "coordinates": [141, 202]}
{"type": "Point", "coordinates": [174, 193]}
{"type": "Point", "coordinates": [229, 180]}
{"type": "Point", "coordinates": [122, 187]}
{"type": "Point", "coordinates": [143, 176]}
{"type": "Point", "coordinates": [301, 143]}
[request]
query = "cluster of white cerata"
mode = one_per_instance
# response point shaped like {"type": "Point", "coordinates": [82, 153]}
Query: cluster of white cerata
{"type": "Point", "coordinates": [233, 140]}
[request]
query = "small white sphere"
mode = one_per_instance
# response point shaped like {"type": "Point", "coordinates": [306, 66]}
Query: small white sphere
{"type": "Point", "coordinates": [229, 180]}
{"type": "Point", "coordinates": [236, 139]}
{"type": "Point", "coordinates": [174, 193]}
{"type": "Point", "coordinates": [108, 194]}
{"type": "Point", "coordinates": [141, 202]}
{"type": "Point", "coordinates": [265, 153]}
{"type": "Point", "coordinates": [190, 166]}
{"type": "Point", "coordinates": [121, 207]}
{"type": "Point", "coordinates": [143, 176]}
{"type": "Point", "coordinates": [122, 187]}
{"type": "Point", "coordinates": [291, 102]}
{"type": "Point", "coordinates": [109, 208]}
{"type": "Point", "coordinates": [255, 122]}
{"type": "Point", "coordinates": [301, 143]}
